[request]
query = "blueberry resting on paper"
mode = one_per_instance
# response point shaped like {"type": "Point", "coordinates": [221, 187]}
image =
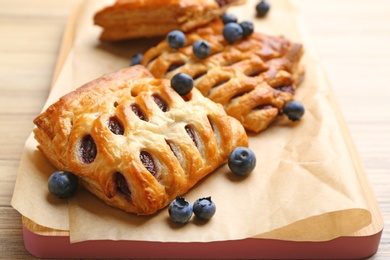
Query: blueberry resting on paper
{"type": "Point", "coordinates": [242, 161]}
{"type": "Point", "coordinates": [204, 208]}
{"type": "Point", "coordinates": [180, 210]}
{"type": "Point", "coordinates": [294, 110]}
{"type": "Point", "coordinates": [63, 184]}
{"type": "Point", "coordinates": [262, 8]}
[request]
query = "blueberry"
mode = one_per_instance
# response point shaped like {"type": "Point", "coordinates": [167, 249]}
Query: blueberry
{"type": "Point", "coordinates": [136, 59]}
{"type": "Point", "coordinates": [262, 8]}
{"type": "Point", "coordinates": [247, 28]}
{"type": "Point", "coordinates": [242, 161]}
{"type": "Point", "coordinates": [176, 39]}
{"type": "Point", "coordinates": [232, 32]}
{"type": "Point", "coordinates": [294, 110]}
{"type": "Point", "coordinates": [63, 184]}
{"type": "Point", "coordinates": [182, 83]}
{"type": "Point", "coordinates": [201, 49]}
{"type": "Point", "coordinates": [204, 208]}
{"type": "Point", "coordinates": [228, 18]}
{"type": "Point", "coordinates": [180, 210]}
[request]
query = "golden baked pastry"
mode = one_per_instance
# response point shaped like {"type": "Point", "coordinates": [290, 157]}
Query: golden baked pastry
{"type": "Point", "coordinates": [133, 141]}
{"type": "Point", "coordinates": [127, 19]}
{"type": "Point", "coordinates": [252, 78]}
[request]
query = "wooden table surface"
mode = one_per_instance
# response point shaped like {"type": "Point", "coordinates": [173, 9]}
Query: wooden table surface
{"type": "Point", "coordinates": [352, 38]}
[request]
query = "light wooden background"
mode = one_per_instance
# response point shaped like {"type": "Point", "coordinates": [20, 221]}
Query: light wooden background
{"type": "Point", "coordinates": [352, 38]}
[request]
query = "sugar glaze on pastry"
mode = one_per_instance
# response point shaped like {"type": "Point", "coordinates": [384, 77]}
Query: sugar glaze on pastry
{"type": "Point", "coordinates": [133, 141]}
{"type": "Point", "coordinates": [252, 78]}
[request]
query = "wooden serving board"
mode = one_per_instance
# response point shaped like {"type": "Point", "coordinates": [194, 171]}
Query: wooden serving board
{"type": "Point", "coordinates": [45, 242]}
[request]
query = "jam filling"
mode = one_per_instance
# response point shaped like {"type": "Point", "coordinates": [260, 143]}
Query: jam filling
{"type": "Point", "coordinates": [88, 149]}
{"type": "Point", "coordinates": [115, 126]}
{"type": "Point", "coordinates": [138, 112]}
{"type": "Point", "coordinates": [121, 184]}
{"type": "Point", "coordinates": [191, 133]}
{"type": "Point", "coordinates": [160, 103]}
{"type": "Point", "coordinates": [148, 162]}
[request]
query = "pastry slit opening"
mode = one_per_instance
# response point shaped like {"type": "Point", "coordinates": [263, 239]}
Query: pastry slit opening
{"type": "Point", "coordinates": [199, 75]}
{"type": "Point", "coordinates": [289, 89]}
{"type": "Point", "coordinates": [174, 66]}
{"type": "Point", "coordinates": [263, 107]}
{"type": "Point", "coordinates": [87, 149]}
{"type": "Point", "coordinates": [148, 162]}
{"type": "Point", "coordinates": [121, 185]}
{"type": "Point", "coordinates": [171, 146]}
{"type": "Point", "coordinates": [138, 112]}
{"type": "Point", "coordinates": [177, 153]}
{"type": "Point", "coordinates": [220, 82]}
{"type": "Point", "coordinates": [215, 129]}
{"type": "Point", "coordinates": [115, 126]}
{"type": "Point", "coordinates": [160, 103]}
{"type": "Point", "coordinates": [191, 133]}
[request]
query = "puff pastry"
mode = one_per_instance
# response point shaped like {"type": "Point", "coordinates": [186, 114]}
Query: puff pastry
{"type": "Point", "coordinates": [252, 78]}
{"type": "Point", "coordinates": [133, 141]}
{"type": "Point", "coordinates": [127, 19]}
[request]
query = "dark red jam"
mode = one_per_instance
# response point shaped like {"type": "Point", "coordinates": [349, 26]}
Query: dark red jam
{"type": "Point", "coordinates": [148, 162]}
{"type": "Point", "coordinates": [191, 134]}
{"type": "Point", "coordinates": [115, 126]}
{"type": "Point", "coordinates": [121, 184]}
{"type": "Point", "coordinates": [88, 149]}
{"type": "Point", "coordinates": [160, 103]}
{"type": "Point", "coordinates": [138, 112]}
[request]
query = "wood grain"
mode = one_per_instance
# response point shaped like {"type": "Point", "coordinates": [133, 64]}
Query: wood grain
{"type": "Point", "coordinates": [352, 38]}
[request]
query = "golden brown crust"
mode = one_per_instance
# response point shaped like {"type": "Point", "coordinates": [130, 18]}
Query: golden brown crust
{"type": "Point", "coordinates": [131, 150]}
{"type": "Point", "coordinates": [127, 19]}
{"type": "Point", "coordinates": [252, 78]}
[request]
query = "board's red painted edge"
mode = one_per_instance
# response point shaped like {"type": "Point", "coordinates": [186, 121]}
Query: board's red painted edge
{"type": "Point", "coordinates": [352, 247]}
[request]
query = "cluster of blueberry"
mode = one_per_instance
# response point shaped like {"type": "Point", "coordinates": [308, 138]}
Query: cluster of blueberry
{"type": "Point", "coordinates": [232, 32]}
{"type": "Point", "coordinates": [180, 210]}
{"type": "Point", "coordinates": [241, 162]}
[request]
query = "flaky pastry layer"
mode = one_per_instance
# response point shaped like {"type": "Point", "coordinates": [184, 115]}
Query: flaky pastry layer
{"type": "Point", "coordinates": [127, 19]}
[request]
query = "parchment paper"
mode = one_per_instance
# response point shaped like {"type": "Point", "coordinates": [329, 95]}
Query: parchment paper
{"type": "Point", "coordinates": [304, 187]}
